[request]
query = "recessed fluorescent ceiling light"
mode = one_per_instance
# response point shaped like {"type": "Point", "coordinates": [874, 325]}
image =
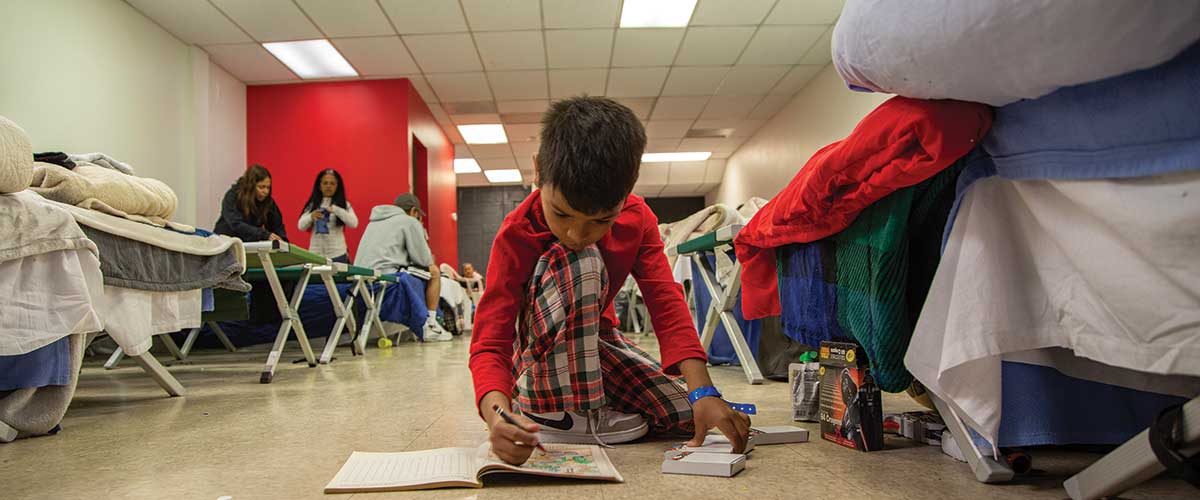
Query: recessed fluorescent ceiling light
{"type": "Point", "coordinates": [505, 175]}
{"type": "Point", "coordinates": [657, 13]}
{"type": "Point", "coordinates": [311, 58]}
{"type": "Point", "coordinates": [466, 166]}
{"type": "Point", "coordinates": [483, 134]}
{"type": "Point", "coordinates": [664, 157]}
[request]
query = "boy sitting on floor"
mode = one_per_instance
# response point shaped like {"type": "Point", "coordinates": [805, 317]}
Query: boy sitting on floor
{"type": "Point", "coordinates": [555, 267]}
{"type": "Point", "coordinates": [395, 241]}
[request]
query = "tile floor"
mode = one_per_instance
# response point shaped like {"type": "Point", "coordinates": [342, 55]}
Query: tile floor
{"type": "Point", "coordinates": [232, 437]}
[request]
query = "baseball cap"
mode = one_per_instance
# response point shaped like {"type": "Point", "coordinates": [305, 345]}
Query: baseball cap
{"type": "Point", "coordinates": [408, 201]}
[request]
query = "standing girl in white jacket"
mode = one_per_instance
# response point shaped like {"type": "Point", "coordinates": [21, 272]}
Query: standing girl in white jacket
{"type": "Point", "coordinates": [325, 214]}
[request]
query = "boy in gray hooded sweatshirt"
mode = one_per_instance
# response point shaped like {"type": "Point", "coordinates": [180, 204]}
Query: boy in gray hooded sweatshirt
{"type": "Point", "coordinates": [394, 240]}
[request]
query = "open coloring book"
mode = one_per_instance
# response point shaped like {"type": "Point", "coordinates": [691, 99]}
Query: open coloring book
{"type": "Point", "coordinates": [464, 467]}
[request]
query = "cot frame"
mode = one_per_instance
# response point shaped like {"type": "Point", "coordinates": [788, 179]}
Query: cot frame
{"type": "Point", "coordinates": [724, 295]}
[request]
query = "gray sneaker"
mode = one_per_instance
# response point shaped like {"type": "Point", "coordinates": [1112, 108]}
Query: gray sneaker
{"type": "Point", "coordinates": [603, 426]}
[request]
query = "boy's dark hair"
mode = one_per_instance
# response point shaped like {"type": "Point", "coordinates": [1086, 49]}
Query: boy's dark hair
{"type": "Point", "coordinates": [591, 150]}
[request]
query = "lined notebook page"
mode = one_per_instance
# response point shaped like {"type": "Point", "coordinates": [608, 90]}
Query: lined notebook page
{"type": "Point", "coordinates": [383, 470]}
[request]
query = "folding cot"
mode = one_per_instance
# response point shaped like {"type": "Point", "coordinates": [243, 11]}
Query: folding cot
{"type": "Point", "coordinates": [719, 244]}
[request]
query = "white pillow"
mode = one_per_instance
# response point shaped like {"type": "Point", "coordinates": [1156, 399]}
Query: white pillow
{"type": "Point", "coordinates": [998, 52]}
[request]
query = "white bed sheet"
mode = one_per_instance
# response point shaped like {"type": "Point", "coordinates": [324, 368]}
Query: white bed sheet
{"type": "Point", "coordinates": [46, 297]}
{"type": "Point", "coordinates": [132, 317]}
{"type": "Point", "coordinates": [1106, 271]}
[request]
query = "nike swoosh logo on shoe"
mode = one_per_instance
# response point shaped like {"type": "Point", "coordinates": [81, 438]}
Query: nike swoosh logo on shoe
{"type": "Point", "coordinates": [565, 424]}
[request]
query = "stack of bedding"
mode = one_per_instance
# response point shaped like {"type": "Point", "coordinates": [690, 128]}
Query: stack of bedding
{"type": "Point", "coordinates": [1068, 264]}
{"type": "Point", "coordinates": [49, 280]}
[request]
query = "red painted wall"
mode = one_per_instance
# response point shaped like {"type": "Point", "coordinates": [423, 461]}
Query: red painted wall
{"type": "Point", "coordinates": [363, 129]}
{"type": "Point", "coordinates": [442, 188]}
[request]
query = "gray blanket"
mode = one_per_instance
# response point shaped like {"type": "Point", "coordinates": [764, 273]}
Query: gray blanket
{"type": "Point", "coordinates": [36, 411]}
{"type": "Point", "coordinates": [133, 264]}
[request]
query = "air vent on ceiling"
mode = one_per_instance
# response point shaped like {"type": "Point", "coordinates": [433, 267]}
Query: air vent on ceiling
{"type": "Point", "coordinates": [518, 118]}
{"type": "Point", "coordinates": [707, 133]}
{"type": "Point", "coordinates": [469, 108]}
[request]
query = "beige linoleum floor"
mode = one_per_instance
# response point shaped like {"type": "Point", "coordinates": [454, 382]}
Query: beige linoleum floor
{"type": "Point", "coordinates": [232, 437]}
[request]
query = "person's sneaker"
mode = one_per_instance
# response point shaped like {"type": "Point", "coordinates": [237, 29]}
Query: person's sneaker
{"type": "Point", "coordinates": [603, 426]}
{"type": "Point", "coordinates": [435, 333]}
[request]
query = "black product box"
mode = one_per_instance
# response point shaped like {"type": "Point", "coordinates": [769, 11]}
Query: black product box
{"type": "Point", "coordinates": [851, 404]}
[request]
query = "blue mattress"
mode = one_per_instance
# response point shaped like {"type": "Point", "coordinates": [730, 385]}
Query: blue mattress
{"type": "Point", "coordinates": [47, 365]}
{"type": "Point", "coordinates": [721, 350]}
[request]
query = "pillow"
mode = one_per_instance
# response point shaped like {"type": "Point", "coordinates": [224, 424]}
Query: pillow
{"type": "Point", "coordinates": [1001, 52]}
{"type": "Point", "coordinates": [16, 157]}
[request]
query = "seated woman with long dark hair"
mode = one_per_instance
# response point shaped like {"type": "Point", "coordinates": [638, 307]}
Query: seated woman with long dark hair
{"type": "Point", "coordinates": [325, 212]}
{"type": "Point", "coordinates": [248, 212]}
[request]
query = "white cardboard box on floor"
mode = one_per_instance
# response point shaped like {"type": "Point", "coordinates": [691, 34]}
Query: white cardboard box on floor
{"type": "Point", "coordinates": [778, 434]}
{"type": "Point", "coordinates": [704, 464]}
{"type": "Point", "coordinates": [713, 443]}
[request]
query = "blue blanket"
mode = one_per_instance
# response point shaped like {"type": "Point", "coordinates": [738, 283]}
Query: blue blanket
{"type": "Point", "coordinates": [721, 350]}
{"type": "Point", "coordinates": [1046, 407]}
{"type": "Point", "coordinates": [47, 365]}
{"type": "Point", "coordinates": [403, 303]}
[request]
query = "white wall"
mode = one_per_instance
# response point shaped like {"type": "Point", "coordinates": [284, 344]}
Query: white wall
{"type": "Point", "coordinates": [224, 158]}
{"type": "Point", "coordinates": [823, 112]}
{"type": "Point", "coordinates": [97, 75]}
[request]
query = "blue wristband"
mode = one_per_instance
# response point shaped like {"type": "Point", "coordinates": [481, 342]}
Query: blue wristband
{"type": "Point", "coordinates": [709, 390]}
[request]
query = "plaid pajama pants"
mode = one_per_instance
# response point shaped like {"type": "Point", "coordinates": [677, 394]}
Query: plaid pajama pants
{"type": "Point", "coordinates": [565, 362]}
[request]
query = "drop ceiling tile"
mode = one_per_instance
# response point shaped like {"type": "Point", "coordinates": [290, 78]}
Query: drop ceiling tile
{"type": "Point", "coordinates": [527, 106]}
{"type": "Point", "coordinates": [515, 85]}
{"type": "Point", "coordinates": [781, 44]}
{"type": "Point", "coordinates": [716, 123]}
{"type": "Point", "coordinates": [461, 151]}
{"type": "Point", "coordinates": [729, 107]}
{"type": "Point", "coordinates": [821, 52]}
{"type": "Point", "coordinates": [475, 119]}
{"type": "Point", "coordinates": [639, 105]}
{"type": "Point", "coordinates": [714, 46]}
{"type": "Point", "coordinates": [376, 56]}
{"type": "Point", "coordinates": [574, 82]}
{"type": "Point", "coordinates": [658, 129]}
{"type": "Point", "coordinates": [460, 87]}
{"type": "Point", "coordinates": [338, 18]}
{"type": "Point", "coordinates": [193, 21]}
{"type": "Point", "coordinates": [526, 165]}
{"type": "Point", "coordinates": [662, 145]}
{"type": "Point", "coordinates": [795, 80]}
{"type": "Point", "coordinates": [654, 173]}
{"type": "Point", "coordinates": [747, 128]}
{"type": "Point", "coordinates": [769, 106]}
{"type": "Point", "coordinates": [579, 48]}
{"type": "Point", "coordinates": [249, 62]}
{"type": "Point", "coordinates": [806, 12]}
{"type": "Point", "coordinates": [645, 190]}
{"type": "Point", "coordinates": [500, 15]}
{"type": "Point", "coordinates": [702, 80]}
{"type": "Point", "coordinates": [720, 155]}
{"type": "Point", "coordinates": [525, 150]}
{"type": "Point", "coordinates": [270, 20]}
{"type": "Point", "coordinates": [472, 180]}
{"type": "Point", "coordinates": [646, 47]}
{"type": "Point", "coordinates": [455, 137]}
{"type": "Point", "coordinates": [678, 190]}
{"type": "Point", "coordinates": [523, 132]}
{"type": "Point", "coordinates": [636, 82]}
{"type": "Point", "coordinates": [425, 16]}
{"type": "Point", "coordinates": [731, 12]}
{"type": "Point", "coordinates": [507, 50]}
{"type": "Point", "coordinates": [447, 53]}
{"type": "Point", "coordinates": [436, 110]}
{"type": "Point", "coordinates": [700, 144]}
{"type": "Point", "coordinates": [497, 163]}
{"type": "Point", "coordinates": [580, 13]}
{"type": "Point", "coordinates": [423, 88]}
{"type": "Point", "coordinates": [470, 107]}
{"type": "Point", "coordinates": [688, 172]}
{"type": "Point", "coordinates": [730, 145]}
{"type": "Point", "coordinates": [678, 108]}
{"type": "Point", "coordinates": [751, 80]}
{"type": "Point", "coordinates": [714, 171]}
{"type": "Point", "coordinates": [486, 151]}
